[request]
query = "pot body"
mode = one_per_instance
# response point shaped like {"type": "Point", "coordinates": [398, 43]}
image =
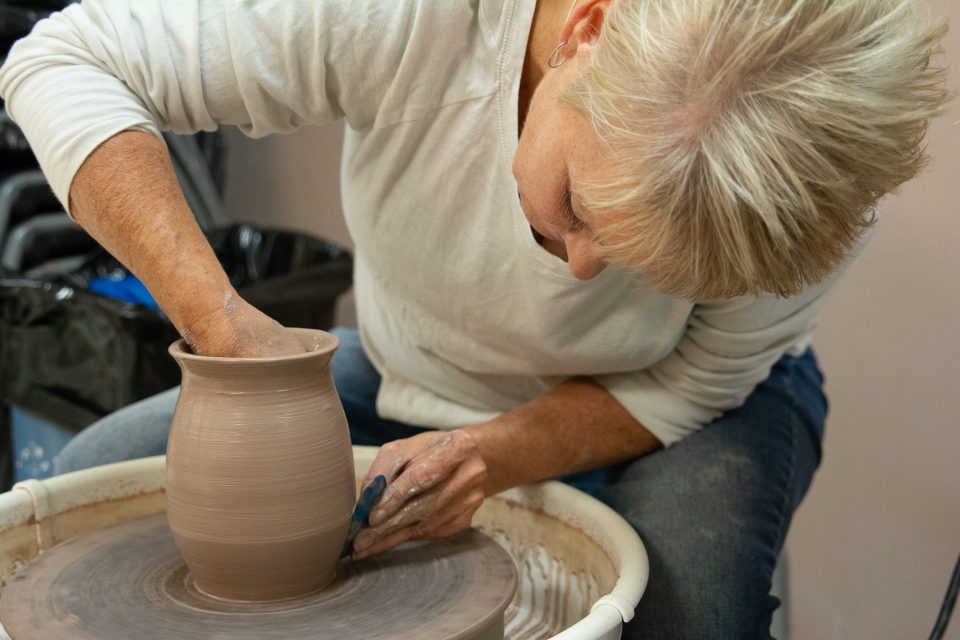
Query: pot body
{"type": "Point", "coordinates": [259, 472]}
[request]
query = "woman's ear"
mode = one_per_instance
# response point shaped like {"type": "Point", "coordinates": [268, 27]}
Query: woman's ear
{"type": "Point", "coordinates": [583, 25]}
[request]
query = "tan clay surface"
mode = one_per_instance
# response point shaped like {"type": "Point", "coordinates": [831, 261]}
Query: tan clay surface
{"type": "Point", "coordinates": [85, 518]}
{"type": "Point", "coordinates": [561, 570]}
{"type": "Point", "coordinates": [570, 545]}
{"type": "Point", "coordinates": [130, 581]}
{"type": "Point", "coordinates": [20, 544]}
{"type": "Point", "coordinates": [260, 478]}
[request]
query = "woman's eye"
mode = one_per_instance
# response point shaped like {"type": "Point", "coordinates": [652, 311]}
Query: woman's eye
{"type": "Point", "coordinates": [569, 214]}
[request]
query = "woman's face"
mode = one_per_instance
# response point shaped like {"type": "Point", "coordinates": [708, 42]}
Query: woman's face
{"type": "Point", "coordinates": [558, 151]}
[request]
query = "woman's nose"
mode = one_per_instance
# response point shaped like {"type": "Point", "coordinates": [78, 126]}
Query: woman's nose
{"type": "Point", "coordinates": [583, 256]}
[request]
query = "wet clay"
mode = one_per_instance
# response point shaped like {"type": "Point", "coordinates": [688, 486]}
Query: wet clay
{"type": "Point", "coordinates": [561, 569]}
{"type": "Point", "coordinates": [259, 471]}
{"type": "Point", "coordinates": [129, 581]}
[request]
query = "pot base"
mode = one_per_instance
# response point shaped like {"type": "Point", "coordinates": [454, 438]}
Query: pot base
{"type": "Point", "coordinates": [253, 572]}
{"type": "Point", "coordinates": [129, 580]}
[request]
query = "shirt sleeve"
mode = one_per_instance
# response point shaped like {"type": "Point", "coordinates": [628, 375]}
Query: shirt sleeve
{"type": "Point", "coordinates": [269, 66]}
{"type": "Point", "coordinates": [728, 348]}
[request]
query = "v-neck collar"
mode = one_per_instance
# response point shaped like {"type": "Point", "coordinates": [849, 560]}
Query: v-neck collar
{"type": "Point", "coordinates": [509, 69]}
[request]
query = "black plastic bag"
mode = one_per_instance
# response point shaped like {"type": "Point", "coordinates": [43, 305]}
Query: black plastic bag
{"type": "Point", "coordinates": [71, 356]}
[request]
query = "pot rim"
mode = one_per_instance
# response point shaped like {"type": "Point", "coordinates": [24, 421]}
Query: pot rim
{"type": "Point", "coordinates": [180, 351]}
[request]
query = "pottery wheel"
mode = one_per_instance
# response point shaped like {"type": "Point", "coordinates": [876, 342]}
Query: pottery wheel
{"type": "Point", "coordinates": [129, 581]}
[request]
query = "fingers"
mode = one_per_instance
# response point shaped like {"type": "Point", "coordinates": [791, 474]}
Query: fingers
{"type": "Point", "coordinates": [406, 526]}
{"type": "Point", "coordinates": [424, 471]}
{"type": "Point", "coordinates": [388, 463]}
{"type": "Point", "coordinates": [394, 456]}
{"type": "Point", "coordinates": [435, 485]}
{"type": "Point", "coordinates": [406, 534]}
{"type": "Point", "coordinates": [414, 516]}
{"type": "Point", "coordinates": [430, 510]}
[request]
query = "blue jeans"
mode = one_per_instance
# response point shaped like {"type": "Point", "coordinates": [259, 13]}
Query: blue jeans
{"type": "Point", "coordinates": [712, 510]}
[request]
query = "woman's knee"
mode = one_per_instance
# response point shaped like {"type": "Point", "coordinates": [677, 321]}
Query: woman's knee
{"type": "Point", "coordinates": [713, 510]}
{"type": "Point", "coordinates": [710, 543]}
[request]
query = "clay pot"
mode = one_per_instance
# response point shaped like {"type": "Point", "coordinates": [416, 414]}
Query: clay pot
{"type": "Point", "coordinates": [260, 480]}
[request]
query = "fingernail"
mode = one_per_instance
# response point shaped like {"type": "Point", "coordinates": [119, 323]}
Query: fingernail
{"type": "Point", "coordinates": [361, 543]}
{"type": "Point", "coordinates": [359, 555]}
{"type": "Point", "coordinates": [378, 515]}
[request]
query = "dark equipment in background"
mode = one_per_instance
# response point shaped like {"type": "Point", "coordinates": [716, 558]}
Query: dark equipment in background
{"type": "Point", "coordinates": [79, 335]}
{"type": "Point", "coordinates": [949, 602]}
{"type": "Point", "coordinates": [70, 356]}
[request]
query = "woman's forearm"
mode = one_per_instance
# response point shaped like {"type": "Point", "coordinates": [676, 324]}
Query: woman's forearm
{"type": "Point", "coordinates": [574, 427]}
{"type": "Point", "coordinates": [126, 195]}
{"type": "Point", "coordinates": [436, 480]}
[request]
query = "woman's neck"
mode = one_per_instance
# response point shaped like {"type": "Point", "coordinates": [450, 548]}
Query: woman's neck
{"type": "Point", "coordinates": [548, 19]}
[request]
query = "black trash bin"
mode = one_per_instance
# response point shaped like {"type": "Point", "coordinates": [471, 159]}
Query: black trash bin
{"type": "Point", "coordinates": [69, 356]}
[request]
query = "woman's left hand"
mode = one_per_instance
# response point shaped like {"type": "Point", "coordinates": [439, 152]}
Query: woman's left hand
{"type": "Point", "coordinates": [435, 484]}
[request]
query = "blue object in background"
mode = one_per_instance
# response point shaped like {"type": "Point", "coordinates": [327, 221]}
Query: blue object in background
{"type": "Point", "coordinates": [128, 288]}
{"type": "Point", "coordinates": [35, 442]}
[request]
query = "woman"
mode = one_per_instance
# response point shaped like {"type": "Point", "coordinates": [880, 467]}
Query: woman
{"type": "Point", "coordinates": [693, 176]}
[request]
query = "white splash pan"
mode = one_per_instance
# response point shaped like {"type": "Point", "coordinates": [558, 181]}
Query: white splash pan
{"type": "Point", "coordinates": [582, 568]}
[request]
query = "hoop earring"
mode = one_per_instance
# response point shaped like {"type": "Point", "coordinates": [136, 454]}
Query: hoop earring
{"type": "Point", "coordinates": [550, 61]}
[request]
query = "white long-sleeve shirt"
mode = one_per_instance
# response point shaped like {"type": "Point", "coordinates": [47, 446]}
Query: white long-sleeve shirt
{"type": "Point", "coordinates": [460, 310]}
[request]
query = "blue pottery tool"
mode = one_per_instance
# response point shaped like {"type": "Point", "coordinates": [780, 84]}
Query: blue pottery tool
{"type": "Point", "coordinates": [368, 497]}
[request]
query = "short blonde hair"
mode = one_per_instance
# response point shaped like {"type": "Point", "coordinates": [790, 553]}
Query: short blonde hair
{"type": "Point", "coordinates": [750, 139]}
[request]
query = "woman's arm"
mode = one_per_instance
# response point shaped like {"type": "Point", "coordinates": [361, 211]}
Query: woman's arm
{"type": "Point", "coordinates": [437, 480]}
{"type": "Point", "coordinates": [105, 66]}
{"type": "Point", "coordinates": [127, 197]}
{"type": "Point", "coordinates": [575, 427]}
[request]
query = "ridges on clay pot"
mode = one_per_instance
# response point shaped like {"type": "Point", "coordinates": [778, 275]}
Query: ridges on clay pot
{"type": "Point", "coordinates": [259, 477]}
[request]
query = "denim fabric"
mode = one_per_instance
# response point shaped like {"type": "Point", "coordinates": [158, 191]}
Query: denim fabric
{"type": "Point", "coordinates": [357, 384]}
{"type": "Point", "coordinates": [712, 510]}
{"type": "Point", "coordinates": [138, 430]}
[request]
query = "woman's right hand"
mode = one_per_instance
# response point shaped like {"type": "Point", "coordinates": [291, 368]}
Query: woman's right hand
{"type": "Point", "coordinates": [240, 330]}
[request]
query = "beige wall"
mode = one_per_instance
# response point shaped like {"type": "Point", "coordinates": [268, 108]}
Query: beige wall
{"type": "Point", "coordinates": [875, 541]}
{"type": "Point", "coordinates": [873, 545]}
{"type": "Point", "coordinates": [291, 181]}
